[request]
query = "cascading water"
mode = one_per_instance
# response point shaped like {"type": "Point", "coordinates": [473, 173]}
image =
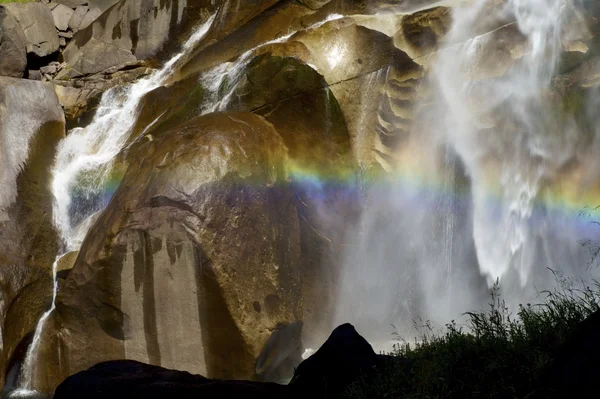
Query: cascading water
{"type": "Point", "coordinates": [83, 163]}
{"type": "Point", "coordinates": [478, 196]}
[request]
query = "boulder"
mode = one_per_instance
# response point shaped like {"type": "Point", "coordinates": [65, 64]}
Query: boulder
{"type": "Point", "coordinates": [130, 379]}
{"type": "Point", "coordinates": [296, 100]}
{"type": "Point", "coordinates": [344, 357]}
{"type": "Point", "coordinates": [38, 25]}
{"type": "Point", "coordinates": [13, 48]}
{"type": "Point", "coordinates": [62, 15]}
{"type": "Point", "coordinates": [88, 10]}
{"type": "Point", "coordinates": [195, 262]}
{"type": "Point", "coordinates": [31, 124]}
{"type": "Point", "coordinates": [77, 17]}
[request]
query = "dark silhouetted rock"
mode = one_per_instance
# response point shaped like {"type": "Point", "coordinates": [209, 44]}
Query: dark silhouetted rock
{"type": "Point", "coordinates": [131, 379]}
{"type": "Point", "coordinates": [343, 358]}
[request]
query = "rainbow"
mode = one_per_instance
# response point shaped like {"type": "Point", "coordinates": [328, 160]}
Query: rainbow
{"type": "Point", "coordinates": [416, 187]}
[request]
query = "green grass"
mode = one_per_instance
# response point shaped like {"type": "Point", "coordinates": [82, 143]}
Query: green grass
{"type": "Point", "coordinates": [495, 355]}
{"type": "Point", "coordinates": [15, 1]}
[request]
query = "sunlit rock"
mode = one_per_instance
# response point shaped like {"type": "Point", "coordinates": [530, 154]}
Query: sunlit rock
{"type": "Point", "coordinates": [129, 30]}
{"type": "Point", "coordinates": [38, 25]}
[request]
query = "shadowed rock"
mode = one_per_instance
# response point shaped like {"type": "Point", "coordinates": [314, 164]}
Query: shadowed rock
{"type": "Point", "coordinates": [130, 379]}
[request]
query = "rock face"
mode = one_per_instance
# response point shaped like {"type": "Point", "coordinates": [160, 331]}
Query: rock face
{"type": "Point", "coordinates": [194, 264]}
{"type": "Point", "coordinates": [13, 48]}
{"type": "Point", "coordinates": [31, 124]}
{"type": "Point", "coordinates": [78, 96]}
{"type": "Point", "coordinates": [129, 30]}
{"type": "Point", "coordinates": [38, 25]}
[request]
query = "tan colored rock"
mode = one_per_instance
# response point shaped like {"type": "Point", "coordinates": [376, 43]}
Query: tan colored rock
{"type": "Point", "coordinates": [296, 100]}
{"type": "Point", "coordinates": [75, 22]}
{"type": "Point", "coordinates": [128, 31]}
{"type": "Point", "coordinates": [420, 33]}
{"type": "Point", "coordinates": [236, 38]}
{"type": "Point", "coordinates": [194, 262]}
{"type": "Point", "coordinates": [38, 25]}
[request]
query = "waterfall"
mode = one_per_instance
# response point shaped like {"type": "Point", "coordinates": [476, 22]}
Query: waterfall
{"type": "Point", "coordinates": [525, 153]}
{"type": "Point", "coordinates": [480, 193]}
{"type": "Point", "coordinates": [84, 159]}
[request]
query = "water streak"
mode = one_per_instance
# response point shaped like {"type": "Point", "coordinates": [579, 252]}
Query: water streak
{"type": "Point", "coordinates": [25, 381]}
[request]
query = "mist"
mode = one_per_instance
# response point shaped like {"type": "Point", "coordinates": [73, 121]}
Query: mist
{"type": "Point", "coordinates": [493, 180]}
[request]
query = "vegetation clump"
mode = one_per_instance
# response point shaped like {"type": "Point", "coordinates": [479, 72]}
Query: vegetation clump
{"type": "Point", "coordinates": [496, 354]}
